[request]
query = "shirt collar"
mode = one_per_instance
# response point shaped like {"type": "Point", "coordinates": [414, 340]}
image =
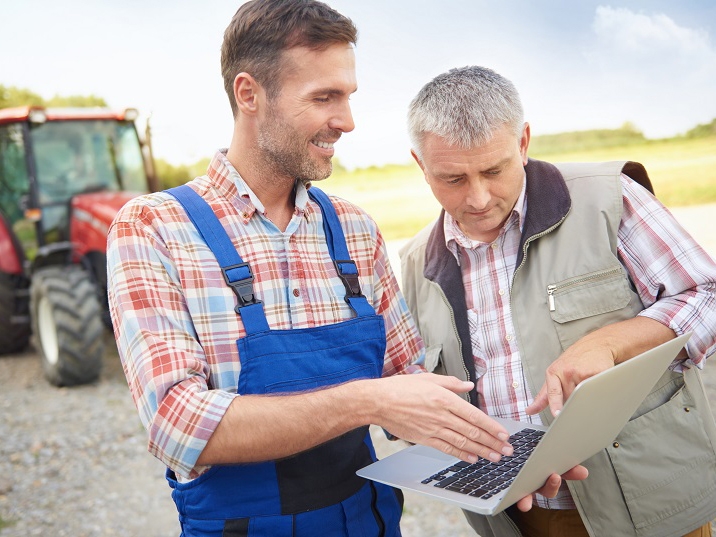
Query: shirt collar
{"type": "Point", "coordinates": [229, 184]}
{"type": "Point", "coordinates": [456, 239]}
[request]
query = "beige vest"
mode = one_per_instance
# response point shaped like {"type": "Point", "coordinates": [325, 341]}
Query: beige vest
{"type": "Point", "coordinates": [569, 283]}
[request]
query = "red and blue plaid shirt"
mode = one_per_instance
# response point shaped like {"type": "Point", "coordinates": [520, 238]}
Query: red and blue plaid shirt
{"type": "Point", "coordinates": [174, 317]}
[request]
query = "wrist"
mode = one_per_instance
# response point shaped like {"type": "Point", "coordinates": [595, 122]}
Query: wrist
{"type": "Point", "coordinates": [364, 401]}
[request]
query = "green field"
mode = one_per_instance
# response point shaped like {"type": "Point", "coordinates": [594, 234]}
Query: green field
{"type": "Point", "coordinates": [682, 170]}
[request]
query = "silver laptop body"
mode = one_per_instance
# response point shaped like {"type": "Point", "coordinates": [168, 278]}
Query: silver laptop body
{"type": "Point", "coordinates": [591, 419]}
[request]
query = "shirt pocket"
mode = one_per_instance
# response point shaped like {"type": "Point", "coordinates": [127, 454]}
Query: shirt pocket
{"type": "Point", "coordinates": [664, 460]}
{"type": "Point", "coordinates": [583, 303]}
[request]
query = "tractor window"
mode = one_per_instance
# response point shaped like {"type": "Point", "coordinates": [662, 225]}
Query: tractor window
{"type": "Point", "coordinates": [88, 155]}
{"type": "Point", "coordinates": [130, 162]}
{"type": "Point", "coordinates": [14, 182]}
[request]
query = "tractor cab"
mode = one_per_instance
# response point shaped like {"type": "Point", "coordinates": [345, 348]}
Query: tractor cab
{"type": "Point", "coordinates": [64, 174]}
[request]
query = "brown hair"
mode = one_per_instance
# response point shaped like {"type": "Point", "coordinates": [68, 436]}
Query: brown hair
{"type": "Point", "coordinates": [261, 30]}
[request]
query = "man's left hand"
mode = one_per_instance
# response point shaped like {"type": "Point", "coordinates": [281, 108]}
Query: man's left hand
{"type": "Point", "coordinates": [551, 486]}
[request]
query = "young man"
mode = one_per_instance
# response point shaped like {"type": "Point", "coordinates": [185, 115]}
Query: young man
{"type": "Point", "coordinates": [537, 276]}
{"type": "Point", "coordinates": [255, 316]}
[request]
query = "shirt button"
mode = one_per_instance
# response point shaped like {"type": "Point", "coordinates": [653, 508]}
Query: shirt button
{"type": "Point", "coordinates": [515, 384]}
{"type": "Point", "coordinates": [493, 246]}
{"type": "Point", "coordinates": [508, 337]}
{"type": "Point", "coordinates": [501, 291]}
{"type": "Point", "coordinates": [296, 292]}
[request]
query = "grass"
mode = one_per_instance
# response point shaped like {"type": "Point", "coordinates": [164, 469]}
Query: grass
{"type": "Point", "coordinates": [682, 171]}
{"type": "Point", "coordinates": [5, 523]}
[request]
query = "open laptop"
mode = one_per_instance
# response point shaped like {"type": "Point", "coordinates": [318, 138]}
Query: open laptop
{"type": "Point", "coordinates": [590, 420]}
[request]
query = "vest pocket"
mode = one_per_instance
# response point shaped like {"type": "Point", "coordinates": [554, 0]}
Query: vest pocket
{"type": "Point", "coordinates": [664, 460]}
{"type": "Point", "coordinates": [577, 305]}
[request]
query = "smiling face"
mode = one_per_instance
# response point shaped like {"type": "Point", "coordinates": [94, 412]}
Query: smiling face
{"type": "Point", "coordinates": [299, 127]}
{"type": "Point", "coordinates": [479, 186]}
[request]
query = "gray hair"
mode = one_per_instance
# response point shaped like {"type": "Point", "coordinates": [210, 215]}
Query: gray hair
{"type": "Point", "coordinates": [464, 106]}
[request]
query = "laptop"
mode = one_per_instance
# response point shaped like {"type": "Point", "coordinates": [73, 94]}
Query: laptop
{"type": "Point", "coordinates": [590, 420]}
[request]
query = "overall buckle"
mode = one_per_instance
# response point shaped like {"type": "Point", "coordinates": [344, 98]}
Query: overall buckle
{"type": "Point", "coordinates": [350, 280]}
{"type": "Point", "coordinates": [244, 287]}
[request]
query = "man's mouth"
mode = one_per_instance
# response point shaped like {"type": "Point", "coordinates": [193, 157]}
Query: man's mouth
{"type": "Point", "coordinates": [322, 145]}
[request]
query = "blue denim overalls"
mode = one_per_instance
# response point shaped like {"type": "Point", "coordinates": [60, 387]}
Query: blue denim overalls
{"type": "Point", "coordinates": [316, 492]}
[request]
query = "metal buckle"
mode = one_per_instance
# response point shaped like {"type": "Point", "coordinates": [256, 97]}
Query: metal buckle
{"type": "Point", "coordinates": [244, 288]}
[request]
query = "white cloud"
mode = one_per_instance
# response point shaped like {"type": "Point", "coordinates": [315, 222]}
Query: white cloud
{"type": "Point", "coordinates": [649, 34]}
{"type": "Point", "coordinates": [652, 71]}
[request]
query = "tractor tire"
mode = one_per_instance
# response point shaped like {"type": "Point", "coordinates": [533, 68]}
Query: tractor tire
{"type": "Point", "coordinates": [67, 325]}
{"type": "Point", "coordinates": [14, 336]}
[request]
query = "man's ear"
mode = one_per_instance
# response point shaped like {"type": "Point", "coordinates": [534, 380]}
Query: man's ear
{"type": "Point", "coordinates": [525, 143]}
{"type": "Point", "coordinates": [417, 159]}
{"type": "Point", "coordinates": [420, 163]}
{"type": "Point", "coordinates": [247, 93]}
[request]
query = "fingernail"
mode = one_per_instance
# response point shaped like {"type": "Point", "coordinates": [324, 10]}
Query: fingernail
{"type": "Point", "coordinates": [503, 436]}
{"type": "Point", "coordinates": [495, 457]}
{"type": "Point", "coordinates": [507, 450]}
{"type": "Point", "coordinates": [556, 413]}
{"type": "Point", "coordinates": [472, 458]}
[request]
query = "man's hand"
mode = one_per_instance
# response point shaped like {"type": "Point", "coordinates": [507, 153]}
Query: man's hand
{"type": "Point", "coordinates": [425, 409]}
{"type": "Point", "coordinates": [551, 486]}
{"type": "Point", "coordinates": [580, 361]}
{"type": "Point", "coordinates": [594, 353]}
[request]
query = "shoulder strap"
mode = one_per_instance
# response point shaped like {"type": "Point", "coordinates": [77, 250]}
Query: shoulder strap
{"type": "Point", "coordinates": [345, 266]}
{"type": "Point", "coordinates": [237, 274]}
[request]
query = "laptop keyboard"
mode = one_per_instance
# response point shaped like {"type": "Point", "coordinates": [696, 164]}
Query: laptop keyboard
{"type": "Point", "coordinates": [484, 478]}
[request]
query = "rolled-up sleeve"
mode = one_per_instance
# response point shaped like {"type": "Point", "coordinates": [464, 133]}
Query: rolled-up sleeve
{"type": "Point", "coordinates": [673, 275]}
{"type": "Point", "coordinates": [165, 366]}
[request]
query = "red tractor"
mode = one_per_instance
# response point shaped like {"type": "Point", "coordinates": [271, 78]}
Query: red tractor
{"type": "Point", "coordinates": [64, 174]}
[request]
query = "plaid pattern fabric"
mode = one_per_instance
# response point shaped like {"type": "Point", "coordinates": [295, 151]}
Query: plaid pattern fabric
{"type": "Point", "coordinates": [174, 315]}
{"type": "Point", "coordinates": [674, 277]}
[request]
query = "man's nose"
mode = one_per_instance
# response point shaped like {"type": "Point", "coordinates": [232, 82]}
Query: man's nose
{"type": "Point", "coordinates": [478, 195]}
{"type": "Point", "coordinates": [342, 120]}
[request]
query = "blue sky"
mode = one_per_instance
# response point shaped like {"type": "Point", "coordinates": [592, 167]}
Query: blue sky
{"type": "Point", "coordinates": [577, 64]}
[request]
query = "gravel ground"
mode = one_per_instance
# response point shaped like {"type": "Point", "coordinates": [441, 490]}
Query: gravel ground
{"type": "Point", "coordinates": [73, 462]}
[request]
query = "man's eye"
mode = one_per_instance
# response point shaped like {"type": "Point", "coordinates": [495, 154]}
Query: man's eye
{"type": "Point", "coordinates": [454, 181]}
{"type": "Point", "coordinates": [494, 172]}
{"type": "Point", "coordinates": [321, 99]}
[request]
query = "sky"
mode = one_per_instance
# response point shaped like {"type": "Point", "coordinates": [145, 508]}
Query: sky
{"type": "Point", "coordinates": [577, 64]}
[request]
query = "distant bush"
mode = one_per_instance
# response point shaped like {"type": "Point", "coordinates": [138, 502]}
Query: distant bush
{"type": "Point", "coordinates": [703, 130]}
{"type": "Point", "coordinates": [563, 142]}
{"type": "Point", "coordinates": [171, 175]}
{"type": "Point", "coordinates": [14, 96]}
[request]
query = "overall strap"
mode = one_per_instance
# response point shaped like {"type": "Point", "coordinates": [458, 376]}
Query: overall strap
{"type": "Point", "coordinates": [237, 274]}
{"type": "Point", "coordinates": [345, 266]}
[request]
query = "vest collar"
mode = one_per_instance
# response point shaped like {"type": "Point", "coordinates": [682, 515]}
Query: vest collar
{"type": "Point", "coordinates": [548, 201]}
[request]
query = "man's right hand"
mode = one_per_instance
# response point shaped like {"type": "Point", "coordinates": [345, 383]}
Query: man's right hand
{"type": "Point", "coordinates": [426, 409]}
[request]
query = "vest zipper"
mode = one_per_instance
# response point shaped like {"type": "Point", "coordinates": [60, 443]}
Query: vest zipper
{"type": "Point", "coordinates": [527, 243]}
{"type": "Point", "coordinates": [551, 289]}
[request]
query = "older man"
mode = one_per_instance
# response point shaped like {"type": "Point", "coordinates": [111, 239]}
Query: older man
{"type": "Point", "coordinates": [536, 276]}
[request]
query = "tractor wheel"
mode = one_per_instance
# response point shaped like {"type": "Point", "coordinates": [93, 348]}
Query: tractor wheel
{"type": "Point", "coordinates": [14, 336]}
{"type": "Point", "coordinates": [67, 325]}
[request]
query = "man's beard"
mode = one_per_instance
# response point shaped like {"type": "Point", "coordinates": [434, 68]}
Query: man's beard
{"type": "Point", "coordinates": [285, 150]}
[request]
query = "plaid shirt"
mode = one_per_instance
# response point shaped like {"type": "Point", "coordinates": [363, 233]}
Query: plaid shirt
{"type": "Point", "coordinates": [174, 317]}
{"type": "Point", "coordinates": [674, 277]}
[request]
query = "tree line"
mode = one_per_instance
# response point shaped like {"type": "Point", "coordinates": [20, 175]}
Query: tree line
{"type": "Point", "coordinates": [13, 96]}
{"type": "Point", "coordinates": [172, 175]}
